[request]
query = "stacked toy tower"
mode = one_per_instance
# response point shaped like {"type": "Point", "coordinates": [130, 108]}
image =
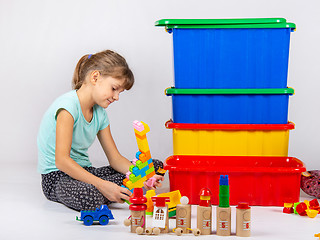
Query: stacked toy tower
{"type": "Point", "coordinates": [230, 99]}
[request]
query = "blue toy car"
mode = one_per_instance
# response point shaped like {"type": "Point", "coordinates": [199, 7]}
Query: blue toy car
{"type": "Point", "coordinates": [102, 214]}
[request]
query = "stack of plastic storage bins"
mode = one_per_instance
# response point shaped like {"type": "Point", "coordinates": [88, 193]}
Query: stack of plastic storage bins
{"type": "Point", "coordinates": [230, 109]}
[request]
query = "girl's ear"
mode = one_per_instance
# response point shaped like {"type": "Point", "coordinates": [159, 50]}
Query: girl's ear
{"type": "Point", "coordinates": [94, 76]}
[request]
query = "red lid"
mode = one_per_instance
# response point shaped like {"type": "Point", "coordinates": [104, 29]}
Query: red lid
{"type": "Point", "coordinates": [137, 207]}
{"type": "Point", "coordinates": [243, 205]}
{"type": "Point", "coordinates": [171, 125]}
{"type": "Point", "coordinates": [160, 201]}
{"type": "Point", "coordinates": [137, 197]}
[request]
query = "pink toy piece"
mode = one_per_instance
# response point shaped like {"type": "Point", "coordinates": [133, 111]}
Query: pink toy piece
{"type": "Point", "coordinates": [151, 182]}
{"type": "Point", "coordinates": [138, 125]}
{"type": "Point", "coordinates": [134, 161]}
{"type": "Point", "coordinates": [128, 174]}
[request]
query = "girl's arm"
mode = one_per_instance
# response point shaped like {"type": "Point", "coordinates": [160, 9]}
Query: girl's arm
{"type": "Point", "coordinates": [116, 160]}
{"type": "Point", "coordinates": [63, 161]}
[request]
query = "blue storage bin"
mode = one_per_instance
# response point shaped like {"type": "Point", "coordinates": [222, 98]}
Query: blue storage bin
{"type": "Point", "coordinates": [230, 106]}
{"type": "Point", "coordinates": [230, 55]}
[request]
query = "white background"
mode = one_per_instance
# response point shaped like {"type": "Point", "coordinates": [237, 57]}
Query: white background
{"type": "Point", "coordinates": [41, 42]}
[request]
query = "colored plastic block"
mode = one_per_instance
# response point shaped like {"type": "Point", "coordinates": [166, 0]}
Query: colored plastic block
{"type": "Point", "coordinates": [138, 126]}
{"type": "Point", "coordinates": [134, 178]}
{"type": "Point", "coordinates": [146, 168]}
{"type": "Point", "coordinates": [150, 171]}
{"type": "Point", "coordinates": [141, 165]}
{"type": "Point", "coordinates": [150, 175]}
{"type": "Point", "coordinates": [135, 171]}
{"type": "Point", "coordinates": [129, 185]}
{"type": "Point", "coordinates": [138, 154]}
{"type": "Point", "coordinates": [134, 161]}
{"type": "Point", "coordinates": [144, 131]}
{"type": "Point", "coordinates": [143, 157]}
{"type": "Point", "coordinates": [131, 167]}
{"type": "Point", "coordinates": [143, 145]}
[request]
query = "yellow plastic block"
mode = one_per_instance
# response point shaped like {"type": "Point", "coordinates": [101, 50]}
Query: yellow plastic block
{"type": "Point", "coordinates": [288, 205]}
{"type": "Point", "coordinates": [129, 185]}
{"type": "Point", "coordinates": [139, 183]}
{"type": "Point", "coordinates": [175, 197]}
{"type": "Point", "coordinates": [143, 145]}
{"type": "Point", "coordinates": [230, 142]}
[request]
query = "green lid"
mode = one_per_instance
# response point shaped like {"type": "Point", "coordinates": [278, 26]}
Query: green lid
{"type": "Point", "coordinates": [226, 23]}
{"type": "Point", "coordinates": [173, 91]}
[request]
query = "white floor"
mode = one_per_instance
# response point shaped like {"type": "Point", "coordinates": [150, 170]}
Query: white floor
{"type": "Point", "coordinates": [26, 214]}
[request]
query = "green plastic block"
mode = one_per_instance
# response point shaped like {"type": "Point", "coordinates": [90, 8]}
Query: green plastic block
{"type": "Point", "coordinates": [141, 165]}
{"type": "Point", "coordinates": [149, 170]}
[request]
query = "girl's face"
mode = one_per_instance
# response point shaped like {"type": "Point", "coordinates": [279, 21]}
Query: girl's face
{"type": "Point", "coordinates": [106, 90]}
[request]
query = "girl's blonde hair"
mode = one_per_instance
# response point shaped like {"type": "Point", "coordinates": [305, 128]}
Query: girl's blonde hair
{"type": "Point", "coordinates": [108, 63]}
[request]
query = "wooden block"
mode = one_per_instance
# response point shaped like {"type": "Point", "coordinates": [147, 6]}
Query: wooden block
{"type": "Point", "coordinates": [223, 221]}
{"type": "Point", "coordinates": [204, 219]}
{"type": "Point", "coordinates": [137, 220]}
{"type": "Point", "coordinates": [183, 217]}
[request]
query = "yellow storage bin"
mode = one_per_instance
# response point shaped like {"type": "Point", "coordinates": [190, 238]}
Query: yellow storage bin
{"type": "Point", "coordinates": [230, 139]}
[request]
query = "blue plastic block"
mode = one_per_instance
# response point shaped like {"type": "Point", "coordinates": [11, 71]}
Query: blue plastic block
{"type": "Point", "coordinates": [138, 154]}
{"type": "Point", "coordinates": [135, 171]}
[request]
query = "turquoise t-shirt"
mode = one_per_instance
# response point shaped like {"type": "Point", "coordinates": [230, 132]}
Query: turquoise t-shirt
{"type": "Point", "coordinates": [84, 132]}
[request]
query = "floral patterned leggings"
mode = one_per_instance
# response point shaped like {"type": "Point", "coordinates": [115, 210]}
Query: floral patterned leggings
{"type": "Point", "coordinates": [60, 187]}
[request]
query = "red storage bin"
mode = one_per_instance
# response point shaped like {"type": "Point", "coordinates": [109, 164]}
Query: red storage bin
{"type": "Point", "coordinates": [258, 180]}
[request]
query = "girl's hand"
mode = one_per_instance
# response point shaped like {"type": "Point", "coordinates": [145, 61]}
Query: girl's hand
{"type": "Point", "coordinates": [113, 192]}
{"type": "Point", "coordinates": [156, 184]}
